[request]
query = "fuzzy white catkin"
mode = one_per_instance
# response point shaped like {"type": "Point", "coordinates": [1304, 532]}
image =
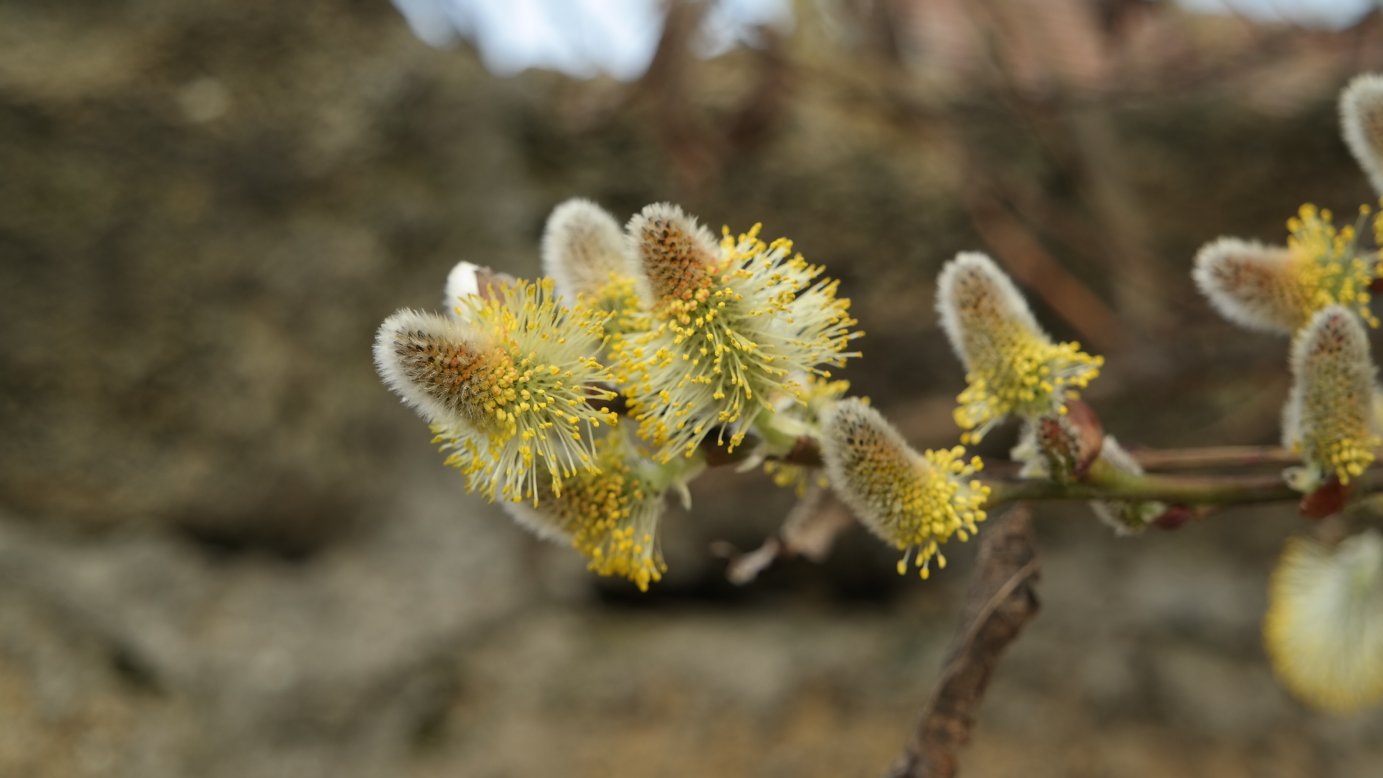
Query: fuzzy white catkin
{"type": "Point", "coordinates": [972, 292]}
{"type": "Point", "coordinates": [1324, 626]}
{"type": "Point", "coordinates": [582, 247]}
{"type": "Point", "coordinates": [399, 341]}
{"type": "Point", "coordinates": [1361, 116]}
{"type": "Point", "coordinates": [462, 282]}
{"type": "Point", "coordinates": [671, 248]}
{"type": "Point", "coordinates": [1249, 284]}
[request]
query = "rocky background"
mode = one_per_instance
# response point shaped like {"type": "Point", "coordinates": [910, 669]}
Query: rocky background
{"type": "Point", "coordinates": [227, 550]}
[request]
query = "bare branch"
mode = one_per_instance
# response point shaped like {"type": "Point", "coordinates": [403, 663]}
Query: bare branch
{"type": "Point", "coordinates": [809, 531]}
{"type": "Point", "coordinates": [1001, 601]}
{"type": "Point", "coordinates": [1214, 456]}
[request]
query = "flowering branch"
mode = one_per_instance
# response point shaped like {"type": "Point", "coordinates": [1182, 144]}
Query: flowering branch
{"type": "Point", "coordinates": [1104, 482]}
{"type": "Point", "coordinates": [650, 352]}
{"type": "Point", "coordinates": [1211, 457]}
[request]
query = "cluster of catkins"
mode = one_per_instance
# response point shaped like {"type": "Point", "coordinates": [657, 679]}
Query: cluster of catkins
{"type": "Point", "coordinates": [1324, 627]}
{"type": "Point", "coordinates": [580, 400]}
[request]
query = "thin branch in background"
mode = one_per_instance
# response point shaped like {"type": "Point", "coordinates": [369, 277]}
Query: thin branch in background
{"type": "Point", "coordinates": [1001, 601]}
{"type": "Point", "coordinates": [1214, 457]}
{"type": "Point", "coordinates": [1032, 265]}
{"type": "Point", "coordinates": [697, 147]}
{"type": "Point", "coordinates": [693, 148]}
{"type": "Point", "coordinates": [810, 531]}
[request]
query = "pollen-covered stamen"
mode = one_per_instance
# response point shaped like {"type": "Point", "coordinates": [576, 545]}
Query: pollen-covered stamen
{"type": "Point", "coordinates": [1012, 367]}
{"type": "Point", "coordinates": [1331, 268]}
{"type": "Point", "coordinates": [1324, 626]}
{"type": "Point", "coordinates": [1361, 116]}
{"type": "Point", "coordinates": [755, 320]}
{"type": "Point", "coordinates": [583, 246]}
{"type": "Point", "coordinates": [913, 501]}
{"type": "Point", "coordinates": [609, 514]}
{"type": "Point", "coordinates": [623, 540]}
{"type": "Point", "coordinates": [676, 254]}
{"type": "Point", "coordinates": [1329, 415]}
{"type": "Point", "coordinates": [618, 301]}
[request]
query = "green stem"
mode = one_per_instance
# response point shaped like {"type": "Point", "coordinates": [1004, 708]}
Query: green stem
{"type": "Point", "coordinates": [676, 473]}
{"type": "Point", "coordinates": [1105, 482]}
{"type": "Point", "coordinates": [779, 433]}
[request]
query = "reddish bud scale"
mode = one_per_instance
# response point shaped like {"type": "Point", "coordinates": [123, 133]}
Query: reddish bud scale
{"type": "Point", "coordinates": [1327, 499]}
{"type": "Point", "coordinates": [1174, 517]}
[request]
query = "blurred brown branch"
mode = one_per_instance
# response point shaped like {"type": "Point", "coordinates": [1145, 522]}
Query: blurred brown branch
{"type": "Point", "coordinates": [809, 531]}
{"type": "Point", "coordinates": [1035, 267]}
{"type": "Point", "coordinates": [1001, 601]}
{"type": "Point", "coordinates": [697, 146]}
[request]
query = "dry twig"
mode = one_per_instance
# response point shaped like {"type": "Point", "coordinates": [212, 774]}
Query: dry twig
{"type": "Point", "coordinates": [810, 531]}
{"type": "Point", "coordinates": [1000, 602]}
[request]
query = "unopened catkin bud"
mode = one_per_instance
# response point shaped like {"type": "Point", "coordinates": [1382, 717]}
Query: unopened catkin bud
{"type": "Point", "coordinates": [584, 249]}
{"type": "Point", "coordinates": [1361, 116]}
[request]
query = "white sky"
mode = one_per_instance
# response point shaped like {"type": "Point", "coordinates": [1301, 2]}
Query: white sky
{"type": "Point", "coordinates": [580, 37]}
{"type": "Point", "coordinates": [1324, 13]}
{"type": "Point", "coordinates": [617, 37]}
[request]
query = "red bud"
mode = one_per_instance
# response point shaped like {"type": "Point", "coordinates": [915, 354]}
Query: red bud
{"type": "Point", "coordinates": [1328, 500]}
{"type": "Point", "coordinates": [1173, 517]}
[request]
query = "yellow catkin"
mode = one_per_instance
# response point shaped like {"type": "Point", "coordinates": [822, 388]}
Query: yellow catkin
{"type": "Point", "coordinates": [1324, 625]}
{"type": "Point", "coordinates": [609, 514]}
{"type": "Point", "coordinates": [732, 328]}
{"type": "Point", "coordinates": [1012, 366]}
{"type": "Point", "coordinates": [1329, 417]}
{"type": "Point", "coordinates": [915, 502]}
{"type": "Point", "coordinates": [509, 388]}
{"type": "Point", "coordinates": [1279, 289]}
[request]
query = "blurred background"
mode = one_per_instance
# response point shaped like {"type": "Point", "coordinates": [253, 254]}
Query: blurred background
{"type": "Point", "coordinates": [227, 550]}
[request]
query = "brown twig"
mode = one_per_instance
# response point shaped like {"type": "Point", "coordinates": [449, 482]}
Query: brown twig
{"type": "Point", "coordinates": [1034, 266]}
{"type": "Point", "coordinates": [809, 531]}
{"type": "Point", "coordinates": [1001, 601]}
{"type": "Point", "coordinates": [1215, 456]}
